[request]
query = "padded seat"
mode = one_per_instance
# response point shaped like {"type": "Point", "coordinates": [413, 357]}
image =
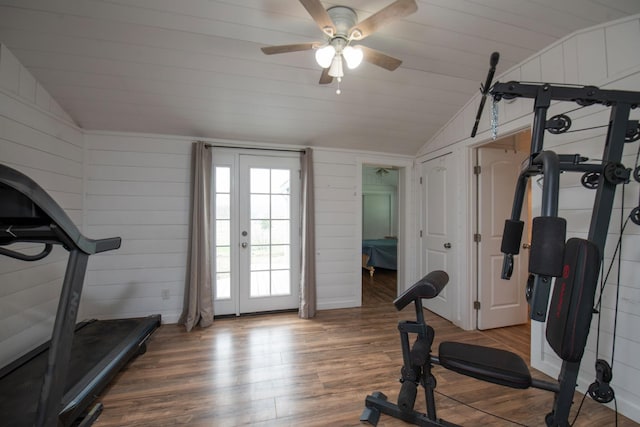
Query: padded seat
{"type": "Point", "coordinates": [485, 363]}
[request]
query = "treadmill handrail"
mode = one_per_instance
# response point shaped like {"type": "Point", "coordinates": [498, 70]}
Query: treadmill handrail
{"type": "Point", "coordinates": [29, 188]}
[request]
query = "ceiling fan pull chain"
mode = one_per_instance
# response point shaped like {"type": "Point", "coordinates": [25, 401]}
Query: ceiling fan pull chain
{"type": "Point", "coordinates": [494, 119]}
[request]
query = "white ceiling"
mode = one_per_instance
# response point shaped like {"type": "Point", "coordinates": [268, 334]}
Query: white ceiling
{"type": "Point", "coordinates": [194, 67]}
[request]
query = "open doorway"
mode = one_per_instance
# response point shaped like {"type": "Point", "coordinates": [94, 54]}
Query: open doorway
{"type": "Point", "coordinates": [500, 303]}
{"type": "Point", "coordinates": [380, 229]}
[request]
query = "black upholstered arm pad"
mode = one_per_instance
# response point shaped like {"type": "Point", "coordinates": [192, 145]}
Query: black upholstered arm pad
{"type": "Point", "coordinates": [427, 287]}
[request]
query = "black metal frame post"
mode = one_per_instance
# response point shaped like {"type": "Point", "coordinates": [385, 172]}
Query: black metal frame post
{"type": "Point", "coordinates": [61, 339]}
{"type": "Point", "coordinates": [427, 379]}
{"type": "Point", "coordinates": [613, 149]}
{"type": "Point", "coordinates": [600, 219]}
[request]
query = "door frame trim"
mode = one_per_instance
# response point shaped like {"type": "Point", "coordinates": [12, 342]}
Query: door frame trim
{"type": "Point", "coordinates": [406, 222]}
{"type": "Point", "coordinates": [235, 154]}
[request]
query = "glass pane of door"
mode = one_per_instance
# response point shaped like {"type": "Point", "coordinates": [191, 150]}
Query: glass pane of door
{"type": "Point", "coordinates": [222, 288]}
{"type": "Point", "coordinates": [270, 215]}
{"type": "Point", "coordinates": [224, 240]}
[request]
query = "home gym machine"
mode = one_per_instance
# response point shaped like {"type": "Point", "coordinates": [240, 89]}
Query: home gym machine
{"type": "Point", "coordinates": [575, 265]}
{"type": "Point", "coordinates": [54, 384]}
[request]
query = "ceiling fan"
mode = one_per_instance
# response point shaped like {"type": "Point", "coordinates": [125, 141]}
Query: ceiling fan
{"type": "Point", "coordinates": [385, 170]}
{"type": "Point", "coordinates": [340, 26]}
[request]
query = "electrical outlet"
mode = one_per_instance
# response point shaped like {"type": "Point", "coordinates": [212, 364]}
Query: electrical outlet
{"type": "Point", "coordinates": [165, 294]}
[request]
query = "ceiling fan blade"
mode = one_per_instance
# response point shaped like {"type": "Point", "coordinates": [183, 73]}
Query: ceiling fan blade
{"type": "Point", "coordinates": [380, 59]}
{"type": "Point", "coordinates": [325, 78]}
{"type": "Point", "coordinates": [286, 48]}
{"type": "Point", "coordinates": [320, 15]}
{"type": "Point", "coordinates": [396, 10]}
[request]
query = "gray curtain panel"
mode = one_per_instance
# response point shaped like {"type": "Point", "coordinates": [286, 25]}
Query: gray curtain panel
{"type": "Point", "coordinates": [198, 298]}
{"type": "Point", "coordinates": [308, 271]}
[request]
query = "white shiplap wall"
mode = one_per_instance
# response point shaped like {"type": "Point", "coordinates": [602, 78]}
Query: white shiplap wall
{"type": "Point", "coordinates": [338, 198]}
{"type": "Point", "coordinates": [602, 56]}
{"type": "Point", "coordinates": [337, 241]}
{"type": "Point", "coordinates": [38, 138]}
{"type": "Point", "coordinates": [137, 188]}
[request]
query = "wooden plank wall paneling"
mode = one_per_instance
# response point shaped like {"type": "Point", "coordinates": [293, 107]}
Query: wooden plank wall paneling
{"type": "Point", "coordinates": [337, 247]}
{"type": "Point", "coordinates": [338, 222]}
{"type": "Point", "coordinates": [599, 56]}
{"type": "Point", "coordinates": [38, 138]}
{"type": "Point", "coordinates": [138, 189]}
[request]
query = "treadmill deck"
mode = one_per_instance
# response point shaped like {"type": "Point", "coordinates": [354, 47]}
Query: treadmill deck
{"type": "Point", "coordinates": [100, 349]}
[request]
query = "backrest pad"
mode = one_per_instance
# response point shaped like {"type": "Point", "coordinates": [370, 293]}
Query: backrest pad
{"type": "Point", "coordinates": [571, 305]}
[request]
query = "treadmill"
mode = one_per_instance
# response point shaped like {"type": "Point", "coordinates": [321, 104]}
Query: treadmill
{"type": "Point", "coordinates": [56, 383]}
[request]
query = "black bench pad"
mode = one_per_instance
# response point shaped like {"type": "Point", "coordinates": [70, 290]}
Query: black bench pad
{"type": "Point", "coordinates": [485, 363]}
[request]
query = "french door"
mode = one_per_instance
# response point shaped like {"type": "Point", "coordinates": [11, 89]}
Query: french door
{"type": "Point", "coordinates": [256, 232]}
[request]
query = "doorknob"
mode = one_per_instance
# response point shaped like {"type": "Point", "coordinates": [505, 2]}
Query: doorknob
{"type": "Point", "coordinates": [447, 245]}
{"type": "Point", "coordinates": [243, 244]}
{"type": "Point", "coordinates": [526, 246]}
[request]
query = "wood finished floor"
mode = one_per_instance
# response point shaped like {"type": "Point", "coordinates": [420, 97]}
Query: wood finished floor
{"type": "Point", "coordinates": [278, 370]}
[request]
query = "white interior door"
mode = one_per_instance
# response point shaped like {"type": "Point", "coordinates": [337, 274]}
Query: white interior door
{"type": "Point", "coordinates": [257, 233]}
{"type": "Point", "coordinates": [502, 302]}
{"type": "Point", "coordinates": [438, 250]}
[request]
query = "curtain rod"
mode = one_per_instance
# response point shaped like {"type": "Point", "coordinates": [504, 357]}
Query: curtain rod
{"type": "Point", "coordinates": [254, 148]}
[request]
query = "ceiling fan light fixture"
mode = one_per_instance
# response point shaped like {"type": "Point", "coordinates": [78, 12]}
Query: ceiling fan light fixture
{"type": "Point", "coordinates": [329, 31]}
{"type": "Point", "coordinates": [336, 67]}
{"type": "Point", "coordinates": [353, 56]}
{"type": "Point", "coordinates": [340, 26]}
{"type": "Point", "coordinates": [325, 55]}
{"type": "Point", "coordinates": [356, 34]}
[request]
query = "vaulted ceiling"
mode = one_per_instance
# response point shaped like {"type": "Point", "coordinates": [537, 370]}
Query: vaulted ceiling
{"type": "Point", "coordinates": [195, 68]}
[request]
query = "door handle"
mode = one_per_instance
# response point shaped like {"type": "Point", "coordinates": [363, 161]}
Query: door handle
{"type": "Point", "coordinates": [447, 245]}
{"type": "Point", "coordinates": [243, 244]}
{"type": "Point", "coordinates": [526, 246]}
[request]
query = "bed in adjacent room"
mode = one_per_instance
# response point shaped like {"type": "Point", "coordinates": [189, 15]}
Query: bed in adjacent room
{"type": "Point", "coordinates": [379, 253]}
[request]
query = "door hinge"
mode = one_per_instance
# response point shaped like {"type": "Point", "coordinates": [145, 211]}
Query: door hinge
{"type": "Point", "coordinates": [477, 170]}
{"type": "Point", "coordinates": [476, 305]}
{"type": "Point", "coordinates": [420, 180]}
{"type": "Point", "coordinates": [477, 238]}
{"type": "Point", "coordinates": [420, 233]}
